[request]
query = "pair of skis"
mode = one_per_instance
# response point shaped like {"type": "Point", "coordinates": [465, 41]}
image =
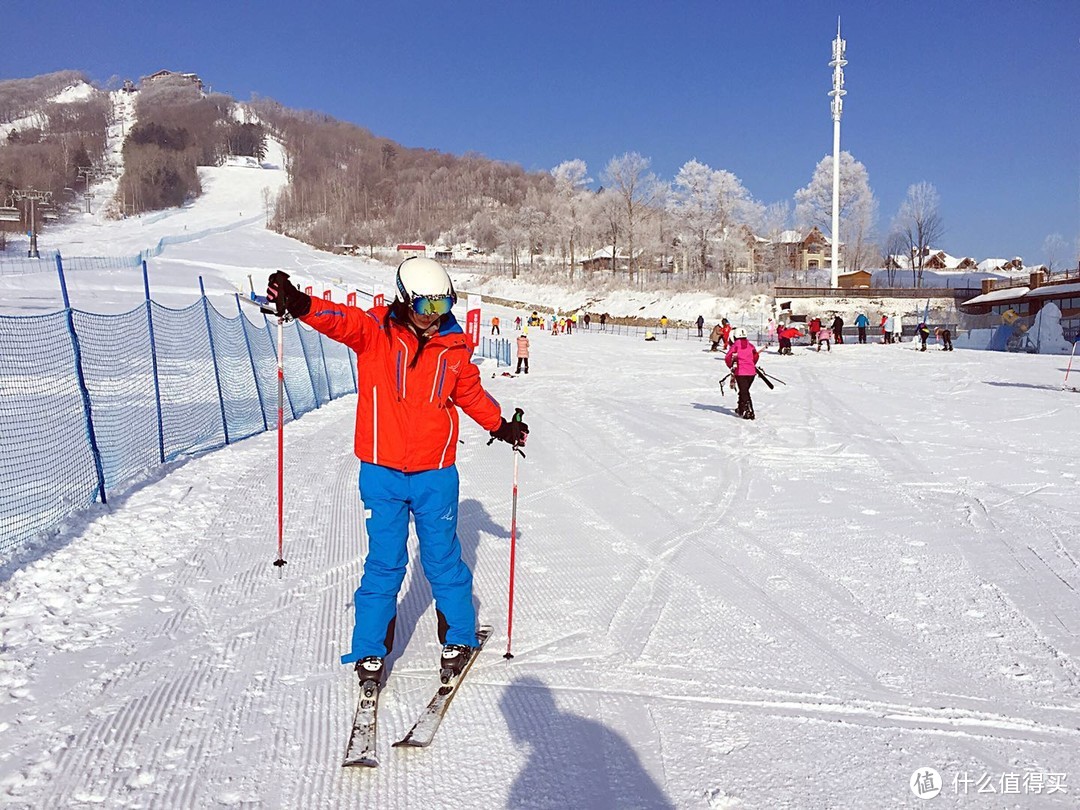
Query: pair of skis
{"type": "Point", "coordinates": [360, 751]}
{"type": "Point", "coordinates": [768, 380]}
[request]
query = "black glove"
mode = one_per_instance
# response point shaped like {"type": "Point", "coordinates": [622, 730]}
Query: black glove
{"type": "Point", "coordinates": [513, 433]}
{"type": "Point", "coordinates": [281, 292]}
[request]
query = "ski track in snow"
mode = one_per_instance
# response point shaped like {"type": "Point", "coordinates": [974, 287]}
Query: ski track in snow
{"type": "Point", "coordinates": [875, 576]}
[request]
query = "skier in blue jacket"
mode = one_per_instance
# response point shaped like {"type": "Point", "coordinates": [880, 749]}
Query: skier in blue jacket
{"type": "Point", "coordinates": [861, 323]}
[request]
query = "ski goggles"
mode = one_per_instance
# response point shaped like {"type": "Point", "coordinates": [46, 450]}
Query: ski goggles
{"type": "Point", "coordinates": [432, 304]}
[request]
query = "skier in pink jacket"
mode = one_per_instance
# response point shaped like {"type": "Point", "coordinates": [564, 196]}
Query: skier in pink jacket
{"type": "Point", "coordinates": [742, 359]}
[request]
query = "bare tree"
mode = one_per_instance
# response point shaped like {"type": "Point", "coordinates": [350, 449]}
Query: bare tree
{"type": "Point", "coordinates": [1054, 249]}
{"type": "Point", "coordinates": [919, 220]}
{"type": "Point", "coordinates": [896, 246]}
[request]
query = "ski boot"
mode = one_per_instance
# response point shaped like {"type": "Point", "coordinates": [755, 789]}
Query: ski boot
{"type": "Point", "coordinates": [371, 672]}
{"type": "Point", "coordinates": [748, 413]}
{"type": "Point", "coordinates": [453, 661]}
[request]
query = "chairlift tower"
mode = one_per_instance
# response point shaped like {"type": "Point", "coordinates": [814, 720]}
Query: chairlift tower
{"type": "Point", "coordinates": [839, 47]}
{"type": "Point", "coordinates": [34, 196]}
{"type": "Point", "coordinates": [86, 173]}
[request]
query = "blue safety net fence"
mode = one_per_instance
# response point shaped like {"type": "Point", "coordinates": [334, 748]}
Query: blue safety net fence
{"type": "Point", "coordinates": [92, 402]}
{"type": "Point", "coordinates": [497, 349]}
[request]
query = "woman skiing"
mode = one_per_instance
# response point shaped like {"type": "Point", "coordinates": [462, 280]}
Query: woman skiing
{"type": "Point", "coordinates": [415, 370]}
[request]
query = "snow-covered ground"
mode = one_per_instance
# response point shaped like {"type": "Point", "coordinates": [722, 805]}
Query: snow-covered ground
{"type": "Point", "coordinates": [876, 577]}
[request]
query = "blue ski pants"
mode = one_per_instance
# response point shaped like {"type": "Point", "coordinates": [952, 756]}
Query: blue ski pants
{"type": "Point", "coordinates": [431, 497]}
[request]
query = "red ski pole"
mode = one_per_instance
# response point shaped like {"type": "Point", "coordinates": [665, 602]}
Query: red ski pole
{"type": "Point", "coordinates": [518, 413]}
{"type": "Point", "coordinates": [280, 561]}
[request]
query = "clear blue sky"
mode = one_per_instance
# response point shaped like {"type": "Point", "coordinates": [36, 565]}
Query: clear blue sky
{"type": "Point", "coordinates": [978, 97]}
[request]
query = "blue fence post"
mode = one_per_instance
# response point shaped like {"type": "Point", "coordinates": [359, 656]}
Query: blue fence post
{"type": "Point", "coordinates": [63, 283]}
{"type": "Point", "coordinates": [251, 357]}
{"type": "Point", "coordinates": [153, 359]}
{"type": "Point", "coordinates": [213, 358]}
{"type": "Point", "coordinates": [84, 392]}
{"type": "Point", "coordinates": [326, 371]}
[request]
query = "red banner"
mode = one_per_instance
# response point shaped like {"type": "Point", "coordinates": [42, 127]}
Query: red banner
{"type": "Point", "coordinates": [350, 299]}
{"type": "Point", "coordinates": [379, 300]}
{"type": "Point", "coordinates": [472, 320]}
{"type": "Point", "coordinates": [326, 295]}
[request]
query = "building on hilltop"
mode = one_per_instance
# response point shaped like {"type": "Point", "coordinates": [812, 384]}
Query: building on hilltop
{"type": "Point", "coordinates": [190, 78]}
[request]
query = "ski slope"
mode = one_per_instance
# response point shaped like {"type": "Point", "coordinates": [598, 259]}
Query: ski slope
{"type": "Point", "coordinates": [876, 577]}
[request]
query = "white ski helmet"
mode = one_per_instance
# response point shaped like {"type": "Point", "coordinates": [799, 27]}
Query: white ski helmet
{"type": "Point", "coordinates": [418, 277]}
{"type": "Point", "coordinates": [740, 332]}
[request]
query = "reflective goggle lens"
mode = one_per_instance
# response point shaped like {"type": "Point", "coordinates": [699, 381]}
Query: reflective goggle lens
{"type": "Point", "coordinates": [432, 304]}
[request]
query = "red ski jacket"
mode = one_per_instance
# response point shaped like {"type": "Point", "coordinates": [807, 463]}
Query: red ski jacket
{"type": "Point", "coordinates": [406, 411]}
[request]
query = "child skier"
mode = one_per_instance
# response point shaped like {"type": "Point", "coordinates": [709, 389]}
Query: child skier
{"type": "Point", "coordinates": [825, 335]}
{"type": "Point", "coordinates": [742, 359]}
{"type": "Point", "coordinates": [523, 352]}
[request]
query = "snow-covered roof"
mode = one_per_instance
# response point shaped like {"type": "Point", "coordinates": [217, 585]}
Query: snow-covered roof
{"type": "Point", "coordinates": [996, 296]}
{"type": "Point", "coordinates": [1054, 290]}
{"type": "Point", "coordinates": [605, 253]}
{"type": "Point", "coordinates": [795, 237]}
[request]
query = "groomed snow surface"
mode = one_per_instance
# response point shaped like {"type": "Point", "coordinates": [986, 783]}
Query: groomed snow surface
{"type": "Point", "coordinates": [876, 577]}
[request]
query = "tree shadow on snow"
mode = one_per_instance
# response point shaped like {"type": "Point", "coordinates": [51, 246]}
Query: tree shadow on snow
{"type": "Point", "coordinates": [573, 761]}
{"type": "Point", "coordinates": [473, 520]}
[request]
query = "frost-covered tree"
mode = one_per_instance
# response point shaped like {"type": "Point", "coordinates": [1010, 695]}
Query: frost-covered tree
{"type": "Point", "coordinates": [772, 223]}
{"type": "Point", "coordinates": [858, 208]}
{"type": "Point", "coordinates": [919, 222]}
{"type": "Point", "coordinates": [708, 203]}
{"type": "Point", "coordinates": [571, 197]}
{"type": "Point", "coordinates": [629, 178]}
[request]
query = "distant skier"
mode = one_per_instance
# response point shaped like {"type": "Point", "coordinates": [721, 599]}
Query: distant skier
{"type": "Point", "coordinates": [523, 352]}
{"type": "Point", "coordinates": [517, 323]}
{"type": "Point", "coordinates": [924, 333]}
{"type": "Point", "coordinates": [663, 324]}
{"type": "Point", "coordinates": [861, 322]}
{"type": "Point", "coordinates": [886, 329]}
{"type": "Point", "coordinates": [770, 333]}
{"type": "Point", "coordinates": [815, 327]}
{"type": "Point", "coordinates": [786, 334]}
{"type": "Point", "coordinates": [716, 335]}
{"type": "Point", "coordinates": [700, 325]}
{"type": "Point", "coordinates": [742, 359]}
{"type": "Point", "coordinates": [416, 366]}
{"type": "Point", "coordinates": [495, 325]}
{"type": "Point", "coordinates": [726, 330]}
{"type": "Point", "coordinates": [587, 319]}
{"type": "Point", "coordinates": [603, 322]}
{"type": "Point", "coordinates": [825, 336]}
{"type": "Point", "coordinates": [944, 337]}
{"type": "Point", "coordinates": [838, 330]}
